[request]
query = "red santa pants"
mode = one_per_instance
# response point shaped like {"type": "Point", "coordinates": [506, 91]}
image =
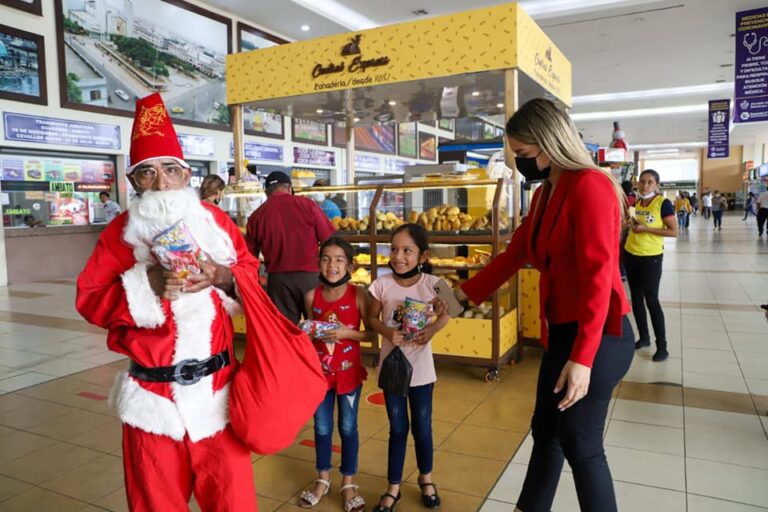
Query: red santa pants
{"type": "Point", "coordinates": [161, 474]}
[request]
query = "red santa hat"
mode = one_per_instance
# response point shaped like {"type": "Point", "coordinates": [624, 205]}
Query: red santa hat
{"type": "Point", "coordinates": [153, 135]}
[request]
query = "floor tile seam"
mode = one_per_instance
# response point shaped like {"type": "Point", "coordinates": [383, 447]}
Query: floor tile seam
{"type": "Point", "coordinates": [8, 498]}
{"type": "Point", "coordinates": [506, 467]}
{"type": "Point", "coordinates": [728, 500]}
{"type": "Point", "coordinates": [50, 400]}
{"type": "Point", "coordinates": [647, 424]}
{"type": "Point", "coordinates": [473, 455]}
{"type": "Point", "coordinates": [57, 441]}
{"type": "Point", "coordinates": [749, 392]}
{"type": "Point", "coordinates": [35, 486]}
{"type": "Point", "coordinates": [657, 452]}
{"type": "Point", "coordinates": [91, 503]}
{"type": "Point", "coordinates": [735, 464]}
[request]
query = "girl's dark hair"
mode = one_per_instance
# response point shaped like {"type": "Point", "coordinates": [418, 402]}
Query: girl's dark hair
{"type": "Point", "coordinates": [345, 246]}
{"type": "Point", "coordinates": [654, 174]}
{"type": "Point", "coordinates": [420, 237]}
{"type": "Point", "coordinates": [212, 184]}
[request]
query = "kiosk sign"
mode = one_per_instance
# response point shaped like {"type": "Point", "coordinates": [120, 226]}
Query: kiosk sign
{"type": "Point", "coordinates": [751, 84]}
{"type": "Point", "coordinates": [717, 142]}
{"type": "Point", "coordinates": [358, 65]}
{"type": "Point", "coordinates": [48, 130]}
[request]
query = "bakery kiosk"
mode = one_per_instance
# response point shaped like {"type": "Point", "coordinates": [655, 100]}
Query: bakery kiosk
{"type": "Point", "coordinates": [477, 63]}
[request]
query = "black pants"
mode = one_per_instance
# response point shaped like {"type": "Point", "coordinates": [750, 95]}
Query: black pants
{"type": "Point", "coordinates": [575, 434]}
{"type": "Point", "coordinates": [718, 216]}
{"type": "Point", "coordinates": [644, 277]}
{"type": "Point", "coordinates": [287, 289]}
{"type": "Point", "coordinates": [762, 217]}
{"type": "Point", "coordinates": [706, 211]}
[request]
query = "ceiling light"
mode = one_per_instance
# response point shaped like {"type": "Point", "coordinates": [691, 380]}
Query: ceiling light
{"type": "Point", "coordinates": [319, 111]}
{"type": "Point", "coordinates": [654, 93]}
{"type": "Point", "coordinates": [669, 145]}
{"type": "Point", "coordinates": [499, 105]}
{"type": "Point", "coordinates": [640, 112]}
{"type": "Point", "coordinates": [662, 151]}
{"type": "Point", "coordinates": [475, 93]}
{"type": "Point", "coordinates": [305, 28]}
{"type": "Point", "coordinates": [392, 103]}
{"type": "Point", "coordinates": [357, 119]}
{"type": "Point", "coordinates": [338, 13]}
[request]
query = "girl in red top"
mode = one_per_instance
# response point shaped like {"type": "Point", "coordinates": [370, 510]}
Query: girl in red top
{"type": "Point", "coordinates": [338, 302]}
{"type": "Point", "coordinates": [572, 237]}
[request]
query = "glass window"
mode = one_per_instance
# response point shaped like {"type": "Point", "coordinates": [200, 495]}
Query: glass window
{"type": "Point", "coordinates": [52, 190]}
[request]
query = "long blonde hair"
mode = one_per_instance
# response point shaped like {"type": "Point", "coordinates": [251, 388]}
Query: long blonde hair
{"type": "Point", "coordinates": [545, 123]}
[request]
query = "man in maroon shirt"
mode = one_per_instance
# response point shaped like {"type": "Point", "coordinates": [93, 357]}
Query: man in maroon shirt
{"type": "Point", "coordinates": [287, 230]}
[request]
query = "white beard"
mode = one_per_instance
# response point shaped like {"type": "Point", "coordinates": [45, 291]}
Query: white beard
{"type": "Point", "coordinates": [156, 211]}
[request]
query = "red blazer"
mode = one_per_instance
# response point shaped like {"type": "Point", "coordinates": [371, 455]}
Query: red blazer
{"type": "Point", "coordinates": [577, 252]}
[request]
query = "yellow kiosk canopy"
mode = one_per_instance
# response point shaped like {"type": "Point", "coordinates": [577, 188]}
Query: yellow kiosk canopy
{"type": "Point", "coordinates": [496, 38]}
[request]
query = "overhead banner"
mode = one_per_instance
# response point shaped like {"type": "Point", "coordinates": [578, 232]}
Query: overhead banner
{"type": "Point", "coordinates": [717, 141]}
{"type": "Point", "coordinates": [47, 130]}
{"type": "Point", "coordinates": [431, 48]}
{"type": "Point", "coordinates": [750, 95]}
{"type": "Point", "coordinates": [255, 151]}
{"type": "Point", "coordinates": [310, 156]}
{"type": "Point", "coordinates": [196, 145]}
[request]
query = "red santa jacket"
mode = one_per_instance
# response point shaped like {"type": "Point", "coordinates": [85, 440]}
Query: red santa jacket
{"type": "Point", "coordinates": [577, 252]}
{"type": "Point", "coordinates": [113, 292]}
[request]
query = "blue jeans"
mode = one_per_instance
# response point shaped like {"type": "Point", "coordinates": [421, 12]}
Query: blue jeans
{"type": "Point", "coordinates": [350, 442]}
{"type": "Point", "coordinates": [420, 398]}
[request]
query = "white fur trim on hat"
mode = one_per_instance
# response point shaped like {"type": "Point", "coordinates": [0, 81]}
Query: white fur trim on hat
{"type": "Point", "coordinates": [144, 306]}
{"type": "Point", "coordinates": [130, 169]}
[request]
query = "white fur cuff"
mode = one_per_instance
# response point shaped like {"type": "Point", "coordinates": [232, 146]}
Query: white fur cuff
{"type": "Point", "coordinates": [233, 306]}
{"type": "Point", "coordinates": [143, 304]}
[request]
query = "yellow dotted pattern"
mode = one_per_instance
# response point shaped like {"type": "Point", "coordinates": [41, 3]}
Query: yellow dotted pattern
{"type": "Point", "coordinates": [507, 331]}
{"type": "Point", "coordinates": [541, 60]}
{"type": "Point", "coordinates": [529, 303]}
{"type": "Point", "coordinates": [466, 337]}
{"type": "Point", "coordinates": [473, 41]}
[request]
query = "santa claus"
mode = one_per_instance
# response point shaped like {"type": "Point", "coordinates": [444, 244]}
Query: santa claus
{"type": "Point", "coordinates": [174, 399]}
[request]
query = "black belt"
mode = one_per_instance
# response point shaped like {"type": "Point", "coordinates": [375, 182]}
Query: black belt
{"type": "Point", "coordinates": [186, 372]}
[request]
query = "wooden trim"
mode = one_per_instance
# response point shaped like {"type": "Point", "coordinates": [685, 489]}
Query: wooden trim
{"type": "Point", "coordinates": [243, 27]}
{"type": "Point", "coordinates": [36, 7]}
{"type": "Point", "coordinates": [65, 103]}
{"type": "Point", "coordinates": [39, 40]}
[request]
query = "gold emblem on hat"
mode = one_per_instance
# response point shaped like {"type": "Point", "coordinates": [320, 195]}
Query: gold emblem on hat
{"type": "Point", "coordinates": [150, 121]}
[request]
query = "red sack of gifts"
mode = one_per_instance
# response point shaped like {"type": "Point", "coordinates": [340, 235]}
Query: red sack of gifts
{"type": "Point", "coordinates": [280, 383]}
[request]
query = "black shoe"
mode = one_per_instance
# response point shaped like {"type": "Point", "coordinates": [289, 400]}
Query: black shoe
{"type": "Point", "coordinates": [642, 343]}
{"type": "Point", "coordinates": [432, 501]}
{"type": "Point", "coordinates": [382, 508]}
{"type": "Point", "coordinates": [660, 355]}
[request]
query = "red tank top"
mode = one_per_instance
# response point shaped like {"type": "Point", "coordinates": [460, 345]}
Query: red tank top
{"type": "Point", "coordinates": [343, 369]}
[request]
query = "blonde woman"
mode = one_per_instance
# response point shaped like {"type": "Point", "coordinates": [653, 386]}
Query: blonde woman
{"type": "Point", "coordinates": [572, 237]}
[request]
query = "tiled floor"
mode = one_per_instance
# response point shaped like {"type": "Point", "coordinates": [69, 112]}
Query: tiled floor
{"type": "Point", "coordinates": [685, 435]}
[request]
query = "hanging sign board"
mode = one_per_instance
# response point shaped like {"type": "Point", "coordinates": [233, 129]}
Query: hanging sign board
{"type": "Point", "coordinates": [717, 141]}
{"type": "Point", "coordinates": [750, 95]}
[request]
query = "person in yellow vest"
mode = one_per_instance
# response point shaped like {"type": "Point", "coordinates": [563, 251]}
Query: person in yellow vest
{"type": "Point", "coordinates": [654, 219]}
{"type": "Point", "coordinates": [683, 209]}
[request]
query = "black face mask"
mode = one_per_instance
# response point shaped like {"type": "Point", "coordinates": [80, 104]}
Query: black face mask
{"type": "Point", "coordinates": [344, 280]}
{"type": "Point", "coordinates": [407, 275]}
{"type": "Point", "coordinates": [530, 170]}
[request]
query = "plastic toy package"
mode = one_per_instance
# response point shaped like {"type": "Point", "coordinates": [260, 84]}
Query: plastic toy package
{"type": "Point", "coordinates": [316, 329]}
{"type": "Point", "coordinates": [177, 251]}
{"type": "Point", "coordinates": [414, 316]}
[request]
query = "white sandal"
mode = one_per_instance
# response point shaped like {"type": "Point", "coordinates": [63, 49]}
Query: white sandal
{"type": "Point", "coordinates": [355, 504]}
{"type": "Point", "coordinates": [309, 499]}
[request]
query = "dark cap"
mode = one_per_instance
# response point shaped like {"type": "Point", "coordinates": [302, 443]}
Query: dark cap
{"type": "Point", "coordinates": [276, 177]}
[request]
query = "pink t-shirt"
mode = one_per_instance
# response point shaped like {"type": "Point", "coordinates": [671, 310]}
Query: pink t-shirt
{"type": "Point", "coordinates": [392, 296]}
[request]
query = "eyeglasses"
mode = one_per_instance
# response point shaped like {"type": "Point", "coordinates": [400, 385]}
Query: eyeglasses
{"type": "Point", "coordinates": [147, 176]}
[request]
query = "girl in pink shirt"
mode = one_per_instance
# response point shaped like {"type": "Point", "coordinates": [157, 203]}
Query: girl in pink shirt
{"type": "Point", "coordinates": [408, 261]}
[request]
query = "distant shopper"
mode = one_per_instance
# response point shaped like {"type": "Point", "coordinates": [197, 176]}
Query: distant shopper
{"type": "Point", "coordinates": [762, 212]}
{"type": "Point", "coordinates": [643, 256]}
{"type": "Point", "coordinates": [694, 203]}
{"type": "Point", "coordinates": [330, 209]}
{"type": "Point", "coordinates": [288, 229]}
{"type": "Point", "coordinates": [111, 208]}
{"type": "Point", "coordinates": [212, 189]}
{"type": "Point", "coordinates": [749, 205]}
{"type": "Point", "coordinates": [341, 203]}
{"type": "Point", "coordinates": [31, 222]}
{"type": "Point", "coordinates": [719, 204]}
{"type": "Point", "coordinates": [706, 205]}
{"type": "Point", "coordinates": [682, 209]}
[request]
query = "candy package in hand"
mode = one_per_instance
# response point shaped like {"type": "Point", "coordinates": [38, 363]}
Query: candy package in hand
{"type": "Point", "coordinates": [316, 328]}
{"type": "Point", "coordinates": [177, 251]}
{"type": "Point", "coordinates": [414, 316]}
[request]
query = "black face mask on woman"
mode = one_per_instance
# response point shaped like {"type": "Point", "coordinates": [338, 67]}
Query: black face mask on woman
{"type": "Point", "coordinates": [530, 169]}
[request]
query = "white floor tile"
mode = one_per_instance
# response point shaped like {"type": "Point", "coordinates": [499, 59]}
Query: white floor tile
{"type": "Point", "coordinates": [646, 468]}
{"type": "Point", "coordinates": [640, 498]}
{"type": "Point", "coordinates": [63, 367]}
{"type": "Point", "coordinates": [702, 380]}
{"type": "Point", "coordinates": [523, 454]}
{"type": "Point", "coordinates": [704, 355]}
{"type": "Point", "coordinates": [720, 422]}
{"type": "Point", "coordinates": [726, 481]}
{"type": "Point", "coordinates": [497, 506]}
{"type": "Point", "coordinates": [705, 504]}
{"type": "Point", "coordinates": [24, 380]}
{"type": "Point", "coordinates": [645, 412]}
{"type": "Point", "coordinates": [744, 342]}
{"type": "Point", "coordinates": [757, 386]}
{"type": "Point", "coordinates": [642, 436]}
{"type": "Point", "coordinates": [507, 489]}
{"type": "Point", "coordinates": [731, 449]}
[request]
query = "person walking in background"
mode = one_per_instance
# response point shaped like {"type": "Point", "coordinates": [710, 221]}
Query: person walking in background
{"type": "Point", "coordinates": [682, 209]}
{"type": "Point", "coordinates": [719, 204]}
{"type": "Point", "coordinates": [749, 205]}
{"type": "Point", "coordinates": [111, 208]}
{"type": "Point", "coordinates": [706, 205]}
{"type": "Point", "coordinates": [330, 209]}
{"type": "Point", "coordinates": [212, 189]}
{"type": "Point", "coordinates": [762, 212]}
{"type": "Point", "coordinates": [694, 203]}
{"type": "Point", "coordinates": [571, 235]}
{"type": "Point", "coordinates": [643, 256]}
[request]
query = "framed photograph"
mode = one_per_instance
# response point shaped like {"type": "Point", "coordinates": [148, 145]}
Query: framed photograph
{"type": "Point", "coordinates": [113, 52]}
{"type": "Point", "coordinates": [250, 38]}
{"type": "Point", "coordinates": [499, 132]}
{"type": "Point", "coordinates": [406, 140]}
{"type": "Point", "coordinates": [22, 66]}
{"type": "Point", "coordinates": [374, 139]}
{"type": "Point", "coordinates": [427, 146]}
{"type": "Point", "coordinates": [264, 123]}
{"type": "Point", "coordinates": [31, 6]}
{"type": "Point", "coordinates": [489, 131]}
{"type": "Point", "coordinates": [309, 132]}
{"type": "Point", "coordinates": [445, 124]}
